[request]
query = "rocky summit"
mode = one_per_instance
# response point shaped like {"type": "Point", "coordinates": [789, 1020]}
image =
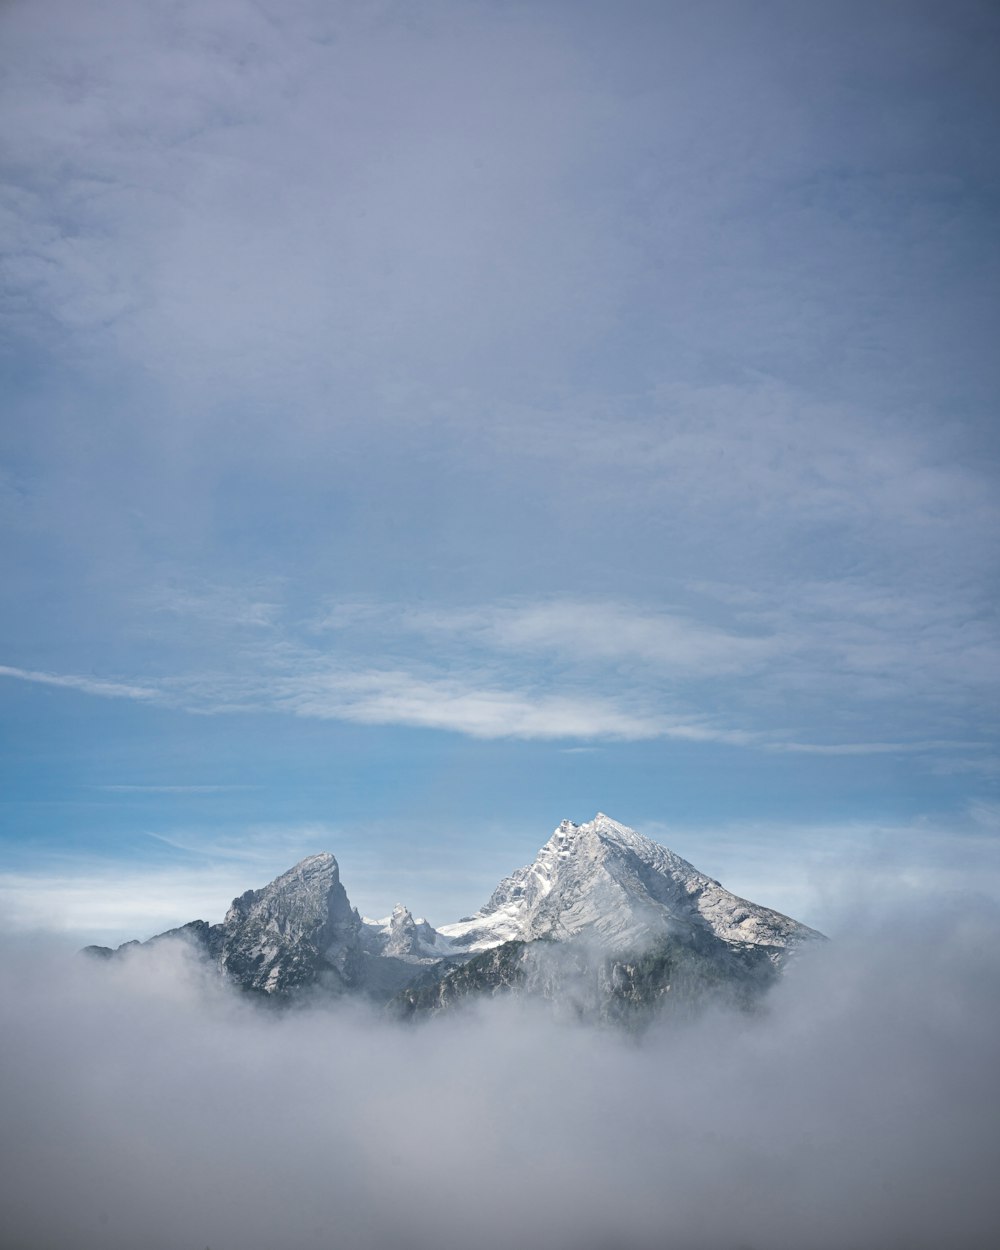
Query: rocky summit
{"type": "Point", "coordinates": [606, 880]}
{"type": "Point", "coordinates": [604, 918]}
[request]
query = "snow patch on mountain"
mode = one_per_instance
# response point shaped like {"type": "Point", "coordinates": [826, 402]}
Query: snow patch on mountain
{"type": "Point", "coordinates": [405, 937]}
{"type": "Point", "coordinates": [605, 879]}
{"type": "Point", "coordinates": [602, 885]}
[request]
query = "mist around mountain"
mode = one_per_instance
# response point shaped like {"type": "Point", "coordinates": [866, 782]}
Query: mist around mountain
{"type": "Point", "coordinates": [769, 1090]}
{"type": "Point", "coordinates": [149, 1102]}
{"type": "Point", "coordinates": [604, 923]}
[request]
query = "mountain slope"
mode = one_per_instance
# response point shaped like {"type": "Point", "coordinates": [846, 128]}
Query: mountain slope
{"type": "Point", "coordinates": [605, 880]}
{"type": "Point", "coordinates": [301, 933]}
{"type": "Point", "coordinates": [603, 918]}
{"type": "Point", "coordinates": [673, 975]}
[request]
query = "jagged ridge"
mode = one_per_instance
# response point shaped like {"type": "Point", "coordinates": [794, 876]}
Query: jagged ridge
{"type": "Point", "coordinates": [598, 896]}
{"type": "Point", "coordinates": [605, 879]}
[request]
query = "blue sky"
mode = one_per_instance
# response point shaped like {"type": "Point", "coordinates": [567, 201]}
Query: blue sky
{"type": "Point", "coordinates": [424, 423]}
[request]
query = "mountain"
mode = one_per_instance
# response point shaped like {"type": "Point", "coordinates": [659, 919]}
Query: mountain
{"type": "Point", "coordinates": [675, 974]}
{"type": "Point", "coordinates": [604, 918]}
{"type": "Point", "coordinates": [301, 933]}
{"type": "Point", "coordinates": [606, 880]}
{"type": "Point", "coordinates": [611, 924]}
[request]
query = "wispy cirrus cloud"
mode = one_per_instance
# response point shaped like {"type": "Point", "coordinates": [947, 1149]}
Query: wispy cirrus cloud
{"type": "Point", "coordinates": [463, 706]}
{"type": "Point", "coordinates": [803, 663]}
{"type": "Point", "coordinates": [604, 632]}
{"type": "Point", "coordinates": [471, 704]}
{"type": "Point", "coordinates": [170, 789]}
{"type": "Point", "coordinates": [386, 698]}
{"type": "Point", "coordinates": [781, 669]}
{"type": "Point", "coordinates": [87, 685]}
{"type": "Point", "coordinates": [859, 635]}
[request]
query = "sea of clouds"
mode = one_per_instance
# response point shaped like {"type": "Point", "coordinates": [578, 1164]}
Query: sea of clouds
{"type": "Point", "coordinates": [144, 1106]}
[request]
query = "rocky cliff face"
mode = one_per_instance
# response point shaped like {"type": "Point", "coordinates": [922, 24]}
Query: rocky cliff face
{"type": "Point", "coordinates": [674, 976]}
{"type": "Point", "coordinates": [607, 881]}
{"type": "Point", "coordinates": [604, 918]}
{"type": "Point", "coordinates": [298, 930]}
{"type": "Point", "coordinates": [300, 933]}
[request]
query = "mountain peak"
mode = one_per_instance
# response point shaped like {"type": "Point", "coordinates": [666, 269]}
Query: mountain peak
{"type": "Point", "coordinates": [600, 880]}
{"type": "Point", "coordinates": [305, 911]}
{"type": "Point", "coordinates": [321, 861]}
{"type": "Point", "coordinates": [605, 879]}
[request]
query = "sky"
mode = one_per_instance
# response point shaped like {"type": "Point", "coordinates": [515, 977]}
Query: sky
{"type": "Point", "coordinates": [422, 424]}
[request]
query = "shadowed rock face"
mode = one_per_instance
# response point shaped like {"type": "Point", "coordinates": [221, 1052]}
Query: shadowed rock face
{"type": "Point", "coordinates": [299, 929]}
{"type": "Point", "coordinates": [604, 918]}
{"type": "Point", "coordinates": [675, 976]}
{"type": "Point", "coordinates": [300, 933]}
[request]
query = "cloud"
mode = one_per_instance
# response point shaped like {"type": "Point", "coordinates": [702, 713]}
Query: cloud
{"type": "Point", "coordinates": [91, 898]}
{"type": "Point", "coordinates": [562, 315]}
{"type": "Point", "coordinates": [87, 685]}
{"type": "Point", "coordinates": [873, 748]}
{"type": "Point", "coordinates": [856, 1111]}
{"type": "Point", "coordinates": [304, 684]}
{"type": "Point", "coordinates": [171, 789]}
{"type": "Point", "coordinates": [317, 164]}
{"type": "Point", "coordinates": [457, 705]}
{"type": "Point", "coordinates": [118, 903]}
{"type": "Point", "coordinates": [605, 632]}
{"type": "Point", "coordinates": [830, 872]}
{"type": "Point", "coordinates": [774, 648]}
{"type": "Point", "coordinates": [824, 873]}
{"type": "Point", "coordinates": [917, 636]}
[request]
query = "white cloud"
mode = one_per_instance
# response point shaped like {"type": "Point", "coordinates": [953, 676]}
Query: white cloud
{"type": "Point", "coordinates": [874, 748]}
{"type": "Point", "coordinates": [116, 904]}
{"type": "Point", "coordinates": [171, 789]}
{"type": "Point", "coordinates": [87, 685]}
{"type": "Point", "coordinates": [606, 632]}
{"type": "Point", "coordinates": [92, 899]}
{"type": "Point", "coordinates": [399, 698]}
{"type": "Point", "coordinates": [857, 1110]}
{"type": "Point", "coordinates": [825, 873]}
{"type": "Point", "coordinates": [304, 684]}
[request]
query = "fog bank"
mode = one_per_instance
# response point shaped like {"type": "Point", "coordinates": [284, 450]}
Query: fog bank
{"type": "Point", "coordinates": [142, 1107]}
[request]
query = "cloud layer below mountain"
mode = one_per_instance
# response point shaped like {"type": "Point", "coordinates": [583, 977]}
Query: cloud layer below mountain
{"type": "Point", "coordinates": [860, 1111]}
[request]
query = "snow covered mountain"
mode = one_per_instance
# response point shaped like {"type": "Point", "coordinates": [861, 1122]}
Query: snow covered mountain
{"type": "Point", "coordinates": [404, 937]}
{"type": "Point", "coordinates": [301, 932]}
{"type": "Point", "coordinates": [643, 919]}
{"type": "Point", "coordinates": [605, 880]}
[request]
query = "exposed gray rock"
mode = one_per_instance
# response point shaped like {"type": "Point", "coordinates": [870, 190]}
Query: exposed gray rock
{"type": "Point", "coordinates": [300, 933]}
{"type": "Point", "coordinates": [296, 931]}
{"type": "Point", "coordinates": [604, 918]}
{"type": "Point", "coordinates": [674, 975]}
{"type": "Point", "coordinates": [608, 882]}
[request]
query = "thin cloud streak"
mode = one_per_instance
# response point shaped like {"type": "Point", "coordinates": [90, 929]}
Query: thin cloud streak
{"type": "Point", "coordinates": [87, 685]}
{"type": "Point", "coordinates": [605, 632]}
{"type": "Point", "coordinates": [171, 789]}
{"type": "Point", "coordinates": [841, 639]}
{"type": "Point", "coordinates": [398, 698]}
{"type": "Point", "coordinates": [456, 705]}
